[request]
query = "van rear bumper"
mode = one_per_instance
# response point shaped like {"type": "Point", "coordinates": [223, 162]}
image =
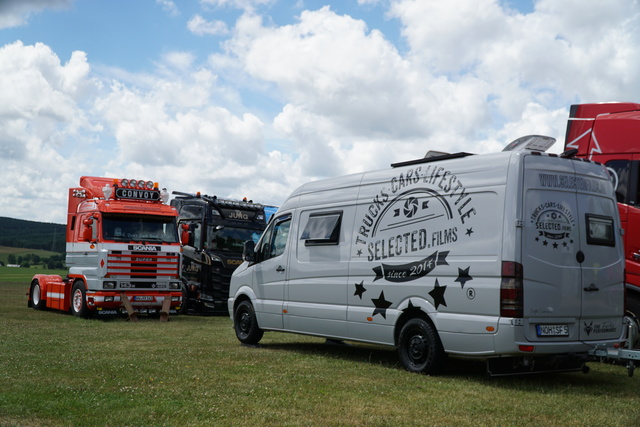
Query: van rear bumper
{"type": "Point", "coordinates": [510, 340]}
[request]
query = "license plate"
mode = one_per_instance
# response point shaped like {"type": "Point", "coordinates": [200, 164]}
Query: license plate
{"type": "Point", "coordinates": [143, 298]}
{"type": "Point", "coordinates": [552, 330]}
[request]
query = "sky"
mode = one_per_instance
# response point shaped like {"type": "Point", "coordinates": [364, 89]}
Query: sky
{"type": "Point", "coordinates": [252, 98]}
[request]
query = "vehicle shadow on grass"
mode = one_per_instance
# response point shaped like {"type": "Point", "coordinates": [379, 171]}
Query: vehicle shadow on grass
{"type": "Point", "coordinates": [469, 369]}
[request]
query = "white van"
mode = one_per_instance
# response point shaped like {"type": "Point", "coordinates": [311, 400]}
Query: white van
{"type": "Point", "coordinates": [515, 257]}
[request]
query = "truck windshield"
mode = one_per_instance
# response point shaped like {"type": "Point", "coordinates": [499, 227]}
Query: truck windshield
{"type": "Point", "coordinates": [139, 228]}
{"type": "Point", "coordinates": [230, 239]}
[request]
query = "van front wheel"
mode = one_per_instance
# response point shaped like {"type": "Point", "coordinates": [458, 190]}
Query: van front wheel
{"type": "Point", "coordinates": [246, 325]}
{"type": "Point", "coordinates": [419, 347]}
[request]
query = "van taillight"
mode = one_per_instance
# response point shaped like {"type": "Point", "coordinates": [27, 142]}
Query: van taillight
{"type": "Point", "coordinates": [511, 293]}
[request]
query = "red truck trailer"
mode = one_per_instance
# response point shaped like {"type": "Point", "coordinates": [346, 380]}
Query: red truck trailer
{"type": "Point", "coordinates": [123, 252]}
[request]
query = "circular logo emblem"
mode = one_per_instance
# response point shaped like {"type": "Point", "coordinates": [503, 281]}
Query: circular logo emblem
{"type": "Point", "coordinates": [410, 207]}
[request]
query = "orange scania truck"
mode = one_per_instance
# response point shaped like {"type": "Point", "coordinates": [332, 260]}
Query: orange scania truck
{"type": "Point", "coordinates": [123, 252]}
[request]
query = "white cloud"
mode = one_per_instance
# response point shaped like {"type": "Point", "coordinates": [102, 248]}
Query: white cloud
{"type": "Point", "coordinates": [200, 27]}
{"type": "Point", "coordinates": [169, 7]}
{"type": "Point", "coordinates": [42, 127]}
{"type": "Point", "coordinates": [469, 76]}
{"type": "Point", "coordinates": [15, 13]}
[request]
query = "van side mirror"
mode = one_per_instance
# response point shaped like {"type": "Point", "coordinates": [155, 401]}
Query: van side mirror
{"type": "Point", "coordinates": [249, 251]}
{"type": "Point", "coordinates": [185, 234]}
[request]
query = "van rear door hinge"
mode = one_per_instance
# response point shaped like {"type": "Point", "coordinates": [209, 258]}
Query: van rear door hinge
{"type": "Point", "coordinates": [519, 223]}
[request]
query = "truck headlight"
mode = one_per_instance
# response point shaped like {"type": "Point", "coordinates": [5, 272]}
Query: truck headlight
{"type": "Point", "coordinates": [108, 285]}
{"type": "Point", "coordinates": [174, 285]}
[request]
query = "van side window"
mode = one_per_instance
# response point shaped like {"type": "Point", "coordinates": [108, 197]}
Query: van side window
{"type": "Point", "coordinates": [322, 229]}
{"type": "Point", "coordinates": [600, 230]}
{"type": "Point", "coordinates": [620, 171]}
{"type": "Point", "coordinates": [274, 240]}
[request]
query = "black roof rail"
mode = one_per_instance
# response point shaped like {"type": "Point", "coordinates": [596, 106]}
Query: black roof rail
{"type": "Point", "coordinates": [431, 159]}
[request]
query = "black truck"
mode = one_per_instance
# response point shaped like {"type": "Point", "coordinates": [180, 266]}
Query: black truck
{"type": "Point", "coordinates": [213, 233]}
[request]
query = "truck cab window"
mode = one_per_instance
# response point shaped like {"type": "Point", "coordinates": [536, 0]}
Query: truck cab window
{"type": "Point", "coordinates": [620, 171]}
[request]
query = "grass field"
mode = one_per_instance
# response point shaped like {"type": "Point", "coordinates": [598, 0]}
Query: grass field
{"type": "Point", "coordinates": [58, 370]}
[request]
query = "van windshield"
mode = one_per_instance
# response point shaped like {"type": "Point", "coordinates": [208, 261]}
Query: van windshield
{"type": "Point", "coordinates": [139, 228]}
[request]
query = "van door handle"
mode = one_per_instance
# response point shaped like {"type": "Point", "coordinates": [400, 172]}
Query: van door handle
{"type": "Point", "coordinates": [280, 269]}
{"type": "Point", "coordinates": [636, 256]}
{"type": "Point", "coordinates": [591, 288]}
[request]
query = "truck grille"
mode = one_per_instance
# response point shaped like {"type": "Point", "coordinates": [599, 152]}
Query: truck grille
{"type": "Point", "coordinates": [139, 265]}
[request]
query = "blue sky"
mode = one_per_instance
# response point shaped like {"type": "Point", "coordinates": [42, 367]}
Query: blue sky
{"type": "Point", "coordinates": [255, 97]}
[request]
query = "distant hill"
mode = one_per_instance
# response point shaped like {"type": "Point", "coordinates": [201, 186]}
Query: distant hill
{"type": "Point", "coordinates": [19, 233]}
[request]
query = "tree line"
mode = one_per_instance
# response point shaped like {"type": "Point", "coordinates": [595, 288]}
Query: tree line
{"type": "Point", "coordinates": [19, 233]}
{"type": "Point", "coordinates": [54, 262]}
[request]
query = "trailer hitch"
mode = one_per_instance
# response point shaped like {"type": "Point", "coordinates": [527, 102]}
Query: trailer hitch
{"type": "Point", "coordinates": [626, 354]}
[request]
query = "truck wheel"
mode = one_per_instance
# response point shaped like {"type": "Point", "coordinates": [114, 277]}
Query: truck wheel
{"type": "Point", "coordinates": [419, 347]}
{"type": "Point", "coordinates": [246, 325]}
{"type": "Point", "coordinates": [79, 300]}
{"type": "Point", "coordinates": [184, 307]}
{"type": "Point", "coordinates": [36, 296]}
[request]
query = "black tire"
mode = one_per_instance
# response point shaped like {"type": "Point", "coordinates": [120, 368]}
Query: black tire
{"type": "Point", "coordinates": [420, 348]}
{"type": "Point", "coordinates": [37, 302]}
{"type": "Point", "coordinates": [79, 300]}
{"type": "Point", "coordinates": [246, 324]}
{"type": "Point", "coordinates": [185, 300]}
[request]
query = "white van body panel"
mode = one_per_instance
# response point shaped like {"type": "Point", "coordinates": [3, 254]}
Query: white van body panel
{"type": "Point", "coordinates": [431, 238]}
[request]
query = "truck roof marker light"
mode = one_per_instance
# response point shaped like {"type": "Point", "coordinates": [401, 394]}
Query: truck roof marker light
{"type": "Point", "coordinates": [141, 184]}
{"type": "Point", "coordinates": [133, 183]}
{"type": "Point", "coordinates": [124, 182]}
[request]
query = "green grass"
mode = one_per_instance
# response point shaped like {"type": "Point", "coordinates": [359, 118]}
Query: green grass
{"type": "Point", "coordinates": [58, 370]}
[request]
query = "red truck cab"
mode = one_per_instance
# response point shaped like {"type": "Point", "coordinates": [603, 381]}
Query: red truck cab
{"type": "Point", "coordinates": [609, 133]}
{"type": "Point", "coordinates": [122, 251]}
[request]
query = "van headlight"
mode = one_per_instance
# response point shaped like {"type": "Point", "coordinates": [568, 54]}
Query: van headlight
{"type": "Point", "coordinates": [108, 285]}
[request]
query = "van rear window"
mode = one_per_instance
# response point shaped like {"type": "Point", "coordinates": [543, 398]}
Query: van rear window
{"type": "Point", "coordinates": [600, 230]}
{"type": "Point", "coordinates": [322, 229]}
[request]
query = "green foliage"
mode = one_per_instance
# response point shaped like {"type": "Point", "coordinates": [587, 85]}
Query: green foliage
{"type": "Point", "coordinates": [20, 233]}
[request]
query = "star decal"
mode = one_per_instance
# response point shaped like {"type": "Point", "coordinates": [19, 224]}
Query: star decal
{"type": "Point", "coordinates": [463, 276]}
{"type": "Point", "coordinates": [359, 252]}
{"type": "Point", "coordinates": [438, 295]}
{"type": "Point", "coordinates": [469, 231]}
{"type": "Point", "coordinates": [360, 289]}
{"type": "Point", "coordinates": [381, 305]}
{"type": "Point", "coordinates": [425, 204]}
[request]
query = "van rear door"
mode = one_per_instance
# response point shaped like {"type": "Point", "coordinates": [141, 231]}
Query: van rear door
{"type": "Point", "coordinates": [572, 259]}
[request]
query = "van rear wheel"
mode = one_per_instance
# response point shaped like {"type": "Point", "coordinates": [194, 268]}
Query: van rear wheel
{"type": "Point", "coordinates": [246, 324]}
{"type": "Point", "coordinates": [419, 347]}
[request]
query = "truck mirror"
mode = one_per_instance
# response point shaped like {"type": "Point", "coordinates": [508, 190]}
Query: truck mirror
{"type": "Point", "coordinates": [249, 251]}
{"type": "Point", "coordinates": [185, 234]}
{"type": "Point", "coordinates": [87, 231]}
